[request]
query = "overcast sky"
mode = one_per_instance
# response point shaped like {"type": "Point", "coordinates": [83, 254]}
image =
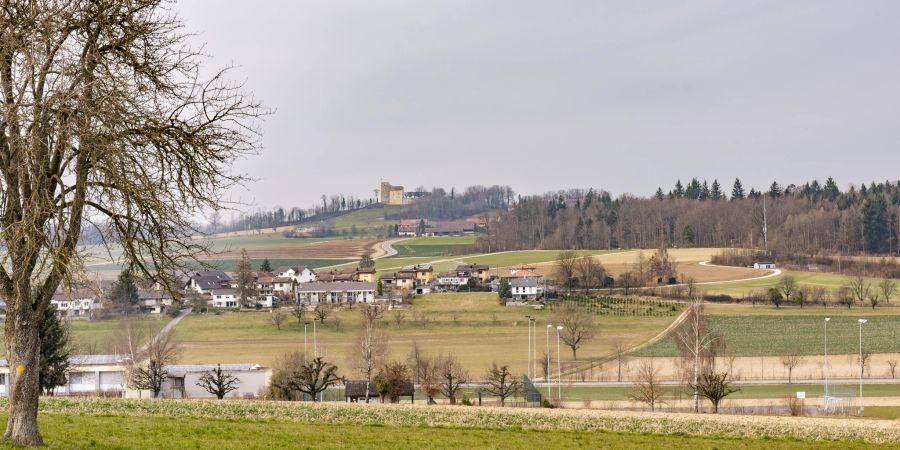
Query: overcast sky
{"type": "Point", "coordinates": [624, 96]}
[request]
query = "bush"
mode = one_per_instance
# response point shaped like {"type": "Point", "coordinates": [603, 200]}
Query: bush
{"type": "Point", "coordinates": [795, 405]}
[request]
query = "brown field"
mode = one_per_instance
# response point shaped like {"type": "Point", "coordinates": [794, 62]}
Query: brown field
{"type": "Point", "coordinates": [688, 259]}
{"type": "Point", "coordinates": [327, 249]}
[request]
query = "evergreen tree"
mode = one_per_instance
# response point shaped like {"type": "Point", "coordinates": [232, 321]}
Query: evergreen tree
{"type": "Point", "coordinates": [124, 294]}
{"type": "Point", "coordinates": [693, 190]}
{"type": "Point", "coordinates": [831, 190]}
{"type": "Point", "coordinates": [679, 189]}
{"type": "Point", "coordinates": [875, 224]}
{"type": "Point", "coordinates": [716, 192]}
{"type": "Point", "coordinates": [659, 194]}
{"type": "Point", "coordinates": [246, 280]}
{"type": "Point", "coordinates": [55, 351]}
{"type": "Point", "coordinates": [737, 192]}
{"type": "Point", "coordinates": [704, 191]}
{"type": "Point", "coordinates": [774, 190]}
{"type": "Point", "coordinates": [266, 266]}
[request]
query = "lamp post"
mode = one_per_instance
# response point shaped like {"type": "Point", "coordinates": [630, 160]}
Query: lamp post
{"type": "Point", "coordinates": [861, 363]}
{"type": "Point", "coordinates": [305, 352]}
{"type": "Point", "coordinates": [547, 380]}
{"type": "Point", "coordinates": [558, 367]}
{"type": "Point", "coordinates": [315, 340]}
{"type": "Point", "coordinates": [826, 361]}
{"type": "Point", "coordinates": [528, 364]}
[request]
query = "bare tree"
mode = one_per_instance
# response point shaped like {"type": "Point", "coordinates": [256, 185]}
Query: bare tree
{"type": "Point", "coordinates": [322, 311]}
{"type": "Point", "coordinates": [106, 118]}
{"type": "Point", "coordinates": [565, 267]}
{"type": "Point", "coordinates": [218, 382]}
{"type": "Point", "coordinates": [845, 296]}
{"type": "Point", "coordinates": [590, 272]}
{"type": "Point", "coordinates": [502, 383]}
{"type": "Point", "coordinates": [697, 345]}
{"type": "Point", "coordinates": [863, 361]}
{"type": "Point", "coordinates": [887, 287]}
{"type": "Point", "coordinates": [790, 359]}
{"type": "Point", "coordinates": [648, 387]}
{"type": "Point", "coordinates": [714, 386]}
{"type": "Point", "coordinates": [787, 286]}
{"type": "Point", "coordinates": [371, 313]}
{"type": "Point", "coordinates": [662, 265]}
{"type": "Point", "coordinates": [578, 325]}
{"type": "Point", "coordinates": [430, 379]}
{"type": "Point", "coordinates": [314, 377]}
{"type": "Point", "coordinates": [892, 367]}
{"type": "Point", "coordinates": [620, 354]}
{"type": "Point", "coordinates": [399, 316]}
{"type": "Point", "coordinates": [277, 318]}
{"type": "Point", "coordinates": [160, 352]}
{"type": "Point", "coordinates": [390, 380]}
{"type": "Point", "coordinates": [298, 310]}
{"type": "Point", "coordinates": [453, 376]}
{"type": "Point", "coordinates": [860, 288]}
{"type": "Point", "coordinates": [369, 350]}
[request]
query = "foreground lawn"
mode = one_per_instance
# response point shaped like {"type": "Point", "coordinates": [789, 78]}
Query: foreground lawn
{"type": "Point", "coordinates": [81, 431]}
{"type": "Point", "coordinates": [118, 423]}
{"type": "Point", "coordinates": [814, 392]}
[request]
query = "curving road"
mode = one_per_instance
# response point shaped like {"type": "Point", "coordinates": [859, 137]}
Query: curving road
{"type": "Point", "coordinates": [388, 247]}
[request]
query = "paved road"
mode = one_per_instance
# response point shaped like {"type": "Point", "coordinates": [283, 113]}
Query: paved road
{"type": "Point", "coordinates": [389, 249]}
{"type": "Point", "coordinates": [169, 326]}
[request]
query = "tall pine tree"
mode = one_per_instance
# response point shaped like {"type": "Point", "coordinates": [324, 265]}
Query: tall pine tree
{"type": "Point", "coordinates": [716, 192]}
{"type": "Point", "coordinates": [737, 192]}
{"type": "Point", "coordinates": [124, 294]}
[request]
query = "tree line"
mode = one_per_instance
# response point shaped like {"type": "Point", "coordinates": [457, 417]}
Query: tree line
{"type": "Point", "coordinates": [813, 218]}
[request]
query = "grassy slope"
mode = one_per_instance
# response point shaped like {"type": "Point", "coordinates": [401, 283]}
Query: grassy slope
{"type": "Point", "coordinates": [460, 323]}
{"type": "Point", "coordinates": [77, 430]}
{"type": "Point", "coordinates": [431, 246]}
{"type": "Point", "coordinates": [830, 281]}
{"type": "Point", "coordinates": [766, 330]}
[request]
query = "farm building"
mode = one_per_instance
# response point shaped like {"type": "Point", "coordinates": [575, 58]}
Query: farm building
{"type": "Point", "coordinates": [764, 265]}
{"type": "Point", "coordinates": [90, 374]}
{"type": "Point", "coordinates": [355, 291]}
{"type": "Point", "coordinates": [355, 391]}
{"type": "Point", "coordinates": [182, 381]}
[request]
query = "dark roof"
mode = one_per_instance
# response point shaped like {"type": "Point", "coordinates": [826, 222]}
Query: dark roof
{"type": "Point", "coordinates": [472, 267]}
{"type": "Point", "coordinates": [357, 388]}
{"type": "Point", "coordinates": [523, 282]}
{"type": "Point", "coordinates": [365, 270]}
{"type": "Point", "coordinates": [417, 268]}
{"type": "Point", "coordinates": [144, 294]}
{"type": "Point", "coordinates": [399, 276]}
{"type": "Point", "coordinates": [337, 287]}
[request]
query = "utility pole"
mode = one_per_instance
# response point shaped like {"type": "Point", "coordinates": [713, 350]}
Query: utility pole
{"type": "Point", "coordinates": [765, 226]}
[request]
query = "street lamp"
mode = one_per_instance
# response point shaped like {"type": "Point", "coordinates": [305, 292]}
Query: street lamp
{"type": "Point", "coordinates": [558, 367]}
{"type": "Point", "coordinates": [547, 379]}
{"type": "Point", "coordinates": [534, 347]}
{"type": "Point", "coordinates": [315, 340]}
{"type": "Point", "coordinates": [528, 364]}
{"type": "Point", "coordinates": [826, 361]}
{"type": "Point", "coordinates": [861, 363]}
{"type": "Point", "coordinates": [305, 352]}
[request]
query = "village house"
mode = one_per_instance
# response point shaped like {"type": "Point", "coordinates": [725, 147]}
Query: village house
{"type": "Point", "coordinates": [365, 274]}
{"type": "Point", "coordinates": [525, 289]}
{"type": "Point", "coordinates": [204, 282]}
{"type": "Point", "coordinates": [224, 298]}
{"type": "Point", "coordinates": [345, 292]}
{"type": "Point", "coordinates": [154, 301]}
{"type": "Point", "coordinates": [479, 271]}
{"type": "Point", "coordinates": [458, 228]}
{"type": "Point", "coordinates": [423, 273]}
{"type": "Point", "coordinates": [300, 274]}
{"type": "Point", "coordinates": [408, 227]}
{"type": "Point", "coordinates": [79, 303]}
{"type": "Point", "coordinates": [283, 286]}
{"type": "Point", "coordinates": [452, 279]}
{"type": "Point", "coordinates": [399, 281]}
{"type": "Point", "coordinates": [265, 283]}
{"type": "Point", "coordinates": [338, 276]}
{"type": "Point", "coordinates": [522, 271]}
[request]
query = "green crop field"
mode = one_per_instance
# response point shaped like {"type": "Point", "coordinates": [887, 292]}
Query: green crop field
{"type": "Point", "coordinates": [229, 264]}
{"type": "Point", "coordinates": [762, 335]}
{"type": "Point", "coordinates": [763, 391]}
{"type": "Point", "coordinates": [431, 246]}
{"type": "Point", "coordinates": [830, 281]}
{"type": "Point", "coordinates": [507, 259]}
{"type": "Point", "coordinates": [473, 326]}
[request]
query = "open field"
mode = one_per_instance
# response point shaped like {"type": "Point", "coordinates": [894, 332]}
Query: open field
{"type": "Point", "coordinates": [830, 281]}
{"type": "Point", "coordinates": [431, 246]}
{"type": "Point", "coordinates": [96, 335]}
{"type": "Point", "coordinates": [761, 335]}
{"type": "Point", "coordinates": [814, 392]}
{"type": "Point", "coordinates": [186, 423]}
{"type": "Point", "coordinates": [473, 326]}
{"type": "Point", "coordinates": [229, 264]}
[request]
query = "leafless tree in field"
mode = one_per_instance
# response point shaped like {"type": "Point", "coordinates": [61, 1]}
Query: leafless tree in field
{"type": "Point", "coordinates": [453, 376]}
{"type": "Point", "coordinates": [698, 345]}
{"type": "Point", "coordinates": [647, 387]}
{"type": "Point", "coordinates": [502, 383]}
{"type": "Point", "coordinates": [860, 288]}
{"type": "Point", "coordinates": [322, 311]}
{"type": "Point", "coordinates": [620, 354]}
{"type": "Point", "coordinates": [845, 296]}
{"type": "Point", "coordinates": [277, 318]}
{"type": "Point", "coordinates": [399, 316]}
{"type": "Point", "coordinates": [369, 350]}
{"type": "Point", "coordinates": [863, 361]}
{"type": "Point", "coordinates": [298, 310]}
{"type": "Point", "coordinates": [714, 386]}
{"type": "Point", "coordinates": [149, 372]}
{"type": "Point", "coordinates": [579, 325]}
{"type": "Point", "coordinates": [430, 378]}
{"type": "Point", "coordinates": [887, 287]}
{"type": "Point", "coordinates": [790, 359]}
{"type": "Point", "coordinates": [218, 382]}
{"type": "Point", "coordinates": [371, 313]}
{"type": "Point", "coordinates": [662, 265]}
{"type": "Point", "coordinates": [246, 281]}
{"type": "Point", "coordinates": [105, 120]}
{"type": "Point", "coordinates": [565, 267]}
{"type": "Point", "coordinates": [892, 367]}
{"type": "Point", "coordinates": [590, 272]}
{"type": "Point", "coordinates": [788, 287]}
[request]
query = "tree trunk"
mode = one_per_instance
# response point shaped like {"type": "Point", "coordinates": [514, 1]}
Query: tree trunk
{"type": "Point", "coordinates": [24, 354]}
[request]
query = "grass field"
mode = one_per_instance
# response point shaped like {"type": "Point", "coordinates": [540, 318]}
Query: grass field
{"type": "Point", "coordinates": [159, 432]}
{"type": "Point", "coordinates": [759, 334]}
{"type": "Point", "coordinates": [472, 326]}
{"type": "Point", "coordinates": [830, 281]}
{"type": "Point", "coordinates": [118, 423]}
{"type": "Point", "coordinates": [764, 391]}
{"type": "Point", "coordinates": [431, 246]}
{"type": "Point", "coordinates": [229, 264]}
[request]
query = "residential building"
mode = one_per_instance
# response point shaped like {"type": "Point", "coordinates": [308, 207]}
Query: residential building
{"type": "Point", "coordinates": [78, 303]}
{"type": "Point", "coordinates": [345, 292]}
{"type": "Point", "coordinates": [399, 281]}
{"type": "Point", "coordinates": [521, 271]}
{"type": "Point", "coordinates": [204, 282]}
{"type": "Point", "coordinates": [525, 289]}
{"type": "Point", "coordinates": [283, 286]}
{"type": "Point", "coordinates": [452, 279]}
{"type": "Point", "coordinates": [300, 274]}
{"type": "Point", "coordinates": [479, 271]}
{"type": "Point", "coordinates": [224, 298]}
{"type": "Point", "coordinates": [423, 273]}
{"type": "Point", "coordinates": [365, 274]}
{"type": "Point", "coordinates": [338, 276]}
{"type": "Point", "coordinates": [154, 300]}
